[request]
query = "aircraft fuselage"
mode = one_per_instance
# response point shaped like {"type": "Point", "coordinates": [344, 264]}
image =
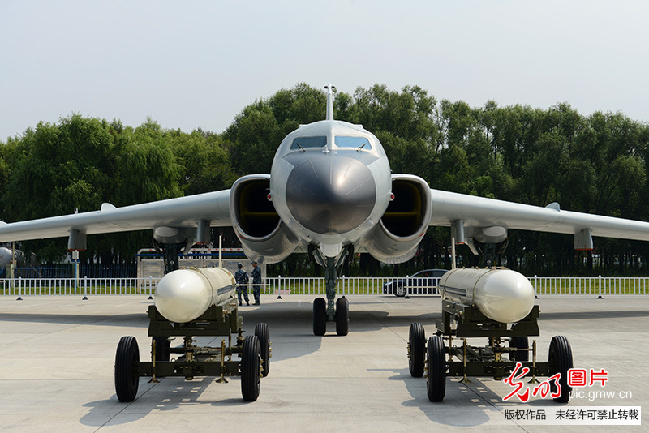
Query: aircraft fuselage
{"type": "Point", "coordinates": [330, 183]}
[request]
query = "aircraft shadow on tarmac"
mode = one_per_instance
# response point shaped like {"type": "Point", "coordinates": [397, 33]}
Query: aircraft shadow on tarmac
{"type": "Point", "coordinates": [121, 320]}
{"type": "Point", "coordinates": [292, 337]}
{"type": "Point", "coordinates": [290, 324]}
{"type": "Point", "coordinates": [291, 327]}
{"type": "Point", "coordinates": [592, 315]}
{"type": "Point", "coordinates": [299, 321]}
{"type": "Point", "coordinates": [297, 315]}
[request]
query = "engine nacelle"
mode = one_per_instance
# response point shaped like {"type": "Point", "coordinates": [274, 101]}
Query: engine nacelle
{"type": "Point", "coordinates": [395, 238]}
{"type": "Point", "coordinates": [262, 233]}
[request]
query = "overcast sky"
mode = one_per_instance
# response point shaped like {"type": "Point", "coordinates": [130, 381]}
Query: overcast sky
{"type": "Point", "coordinates": [199, 63]}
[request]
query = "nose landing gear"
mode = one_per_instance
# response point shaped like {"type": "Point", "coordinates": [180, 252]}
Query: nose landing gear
{"type": "Point", "coordinates": [323, 309]}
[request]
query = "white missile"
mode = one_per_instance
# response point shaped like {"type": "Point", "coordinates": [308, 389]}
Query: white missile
{"type": "Point", "coordinates": [500, 294]}
{"type": "Point", "coordinates": [185, 294]}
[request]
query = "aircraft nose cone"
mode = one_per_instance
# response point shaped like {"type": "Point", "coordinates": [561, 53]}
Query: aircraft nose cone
{"type": "Point", "coordinates": [330, 194]}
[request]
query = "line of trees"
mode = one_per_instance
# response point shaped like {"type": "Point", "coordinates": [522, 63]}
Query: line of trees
{"type": "Point", "coordinates": [595, 163]}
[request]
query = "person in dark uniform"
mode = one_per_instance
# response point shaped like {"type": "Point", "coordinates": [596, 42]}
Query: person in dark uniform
{"type": "Point", "coordinates": [241, 278]}
{"type": "Point", "coordinates": [256, 283]}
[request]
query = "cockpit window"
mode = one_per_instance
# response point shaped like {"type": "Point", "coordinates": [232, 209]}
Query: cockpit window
{"type": "Point", "coordinates": [352, 142]}
{"type": "Point", "coordinates": [301, 143]}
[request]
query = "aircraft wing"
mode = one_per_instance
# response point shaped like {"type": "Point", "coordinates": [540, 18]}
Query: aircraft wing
{"type": "Point", "coordinates": [474, 211]}
{"type": "Point", "coordinates": [213, 207]}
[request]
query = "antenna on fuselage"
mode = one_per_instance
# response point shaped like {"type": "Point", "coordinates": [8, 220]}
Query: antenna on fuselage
{"type": "Point", "coordinates": [331, 89]}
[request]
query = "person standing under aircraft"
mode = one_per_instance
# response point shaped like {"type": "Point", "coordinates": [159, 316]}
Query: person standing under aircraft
{"type": "Point", "coordinates": [256, 283]}
{"type": "Point", "coordinates": [241, 277]}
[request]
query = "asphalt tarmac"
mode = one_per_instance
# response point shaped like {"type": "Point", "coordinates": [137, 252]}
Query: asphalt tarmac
{"type": "Point", "coordinates": [57, 356]}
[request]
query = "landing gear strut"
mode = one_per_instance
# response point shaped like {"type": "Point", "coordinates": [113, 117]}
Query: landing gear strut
{"type": "Point", "coordinates": [323, 309]}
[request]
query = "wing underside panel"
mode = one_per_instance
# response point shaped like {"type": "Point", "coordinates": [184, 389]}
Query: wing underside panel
{"type": "Point", "coordinates": [178, 212]}
{"type": "Point", "coordinates": [483, 212]}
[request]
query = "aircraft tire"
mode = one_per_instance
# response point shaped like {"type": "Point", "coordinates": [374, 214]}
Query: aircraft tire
{"type": "Point", "coordinates": [319, 316]}
{"type": "Point", "coordinates": [417, 352]}
{"type": "Point", "coordinates": [519, 343]}
{"type": "Point", "coordinates": [250, 369]}
{"type": "Point", "coordinates": [263, 334]}
{"type": "Point", "coordinates": [127, 365]}
{"type": "Point", "coordinates": [560, 360]}
{"type": "Point", "coordinates": [342, 317]}
{"type": "Point", "coordinates": [436, 381]}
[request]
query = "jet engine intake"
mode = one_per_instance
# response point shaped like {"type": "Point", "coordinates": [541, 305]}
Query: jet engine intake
{"type": "Point", "coordinates": [263, 235]}
{"type": "Point", "coordinates": [395, 238]}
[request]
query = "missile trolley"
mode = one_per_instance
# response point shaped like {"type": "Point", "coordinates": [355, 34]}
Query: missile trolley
{"type": "Point", "coordinates": [195, 303]}
{"type": "Point", "coordinates": [494, 303]}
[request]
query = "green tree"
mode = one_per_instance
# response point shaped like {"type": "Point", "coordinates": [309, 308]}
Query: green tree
{"type": "Point", "coordinates": [203, 160]}
{"type": "Point", "coordinates": [409, 115]}
{"type": "Point", "coordinates": [57, 169]}
{"type": "Point", "coordinates": [60, 168]}
{"type": "Point", "coordinates": [258, 130]}
{"type": "Point", "coordinates": [146, 168]}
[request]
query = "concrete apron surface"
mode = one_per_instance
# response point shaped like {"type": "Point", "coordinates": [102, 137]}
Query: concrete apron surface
{"type": "Point", "coordinates": [57, 357]}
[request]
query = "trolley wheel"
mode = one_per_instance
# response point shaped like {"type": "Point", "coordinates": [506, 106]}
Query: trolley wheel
{"type": "Point", "coordinates": [560, 360]}
{"type": "Point", "coordinates": [250, 368]}
{"type": "Point", "coordinates": [436, 381]}
{"type": "Point", "coordinates": [319, 316]}
{"type": "Point", "coordinates": [127, 366]}
{"type": "Point", "coordinates": [162, 349]}
{"type": "Point", "coordinates": [262, 333]}
{"type": "Point", "coordinates": [417, 349]}
{"type": "Point", "coordinates": [342, 316]}
{"type": "Point", "coordinates": [519, 343]}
